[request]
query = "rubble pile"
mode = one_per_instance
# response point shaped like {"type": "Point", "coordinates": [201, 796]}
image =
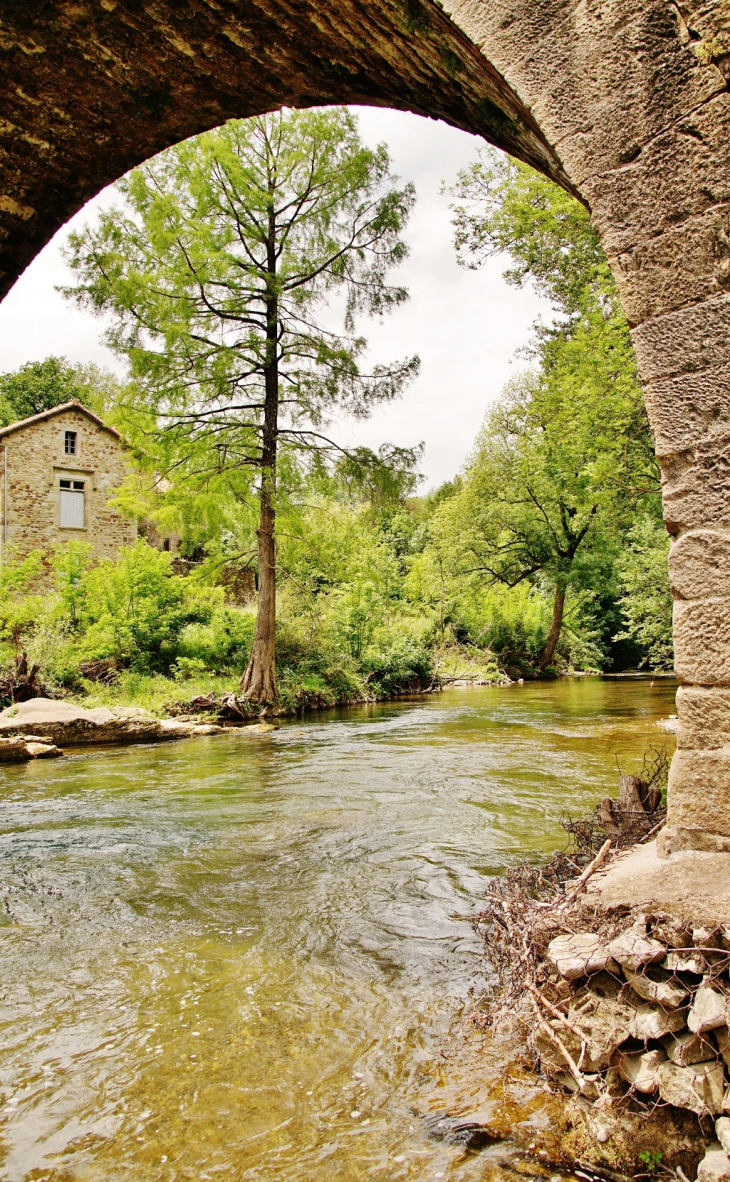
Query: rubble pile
{"type": "Point", "coordinates": [639, 1019]}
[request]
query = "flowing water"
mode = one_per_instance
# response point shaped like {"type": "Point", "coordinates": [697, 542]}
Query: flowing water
{"type": "Point", "coordinates": [241, 957]}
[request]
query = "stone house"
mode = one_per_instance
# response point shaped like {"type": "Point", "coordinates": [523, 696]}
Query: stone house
{"type": "Point", "coordinates": [59, 470]}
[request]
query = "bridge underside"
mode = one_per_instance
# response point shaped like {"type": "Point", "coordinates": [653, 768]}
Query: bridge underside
{"type": "Point", "coordinates": [623, 102]}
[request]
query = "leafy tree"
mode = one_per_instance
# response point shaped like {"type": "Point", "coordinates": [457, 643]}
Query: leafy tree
{"type": "Point", "coordinates": [218, 274]}
{"type": "Point", "coordinates": [646, 600]}
{"type": "Point", "coordinates": [41, 385]}
{"type": "Point", "coordinates": [566, 455]}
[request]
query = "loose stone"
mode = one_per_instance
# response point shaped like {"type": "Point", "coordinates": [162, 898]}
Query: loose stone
{"type": "Point", "coordinates": [633, 948]}
{"type": "Point", "coordinates": [640, 1069]}
{"type": "Point", "coordinates": [722, 1129]}
{"type": "Point", "coordinates": [722, 1036]}
{"type": "Point", "coordinates": [715, 1165]}
{"type": "Point", "coordinates": [688, 1048]}
{"type": "Point", "coordinates": [654, 1022]}
{"type": "Point", "coordinates": [667, 993]}
{"type": "Point", "coordinates": [708, 1009]}
{"type": "Point", "coordinates": [699, 1087]}
{"type": "Point", "coordinates": [686, 962]}
{"type": "Point", "coordinates": [44, 750]}
{"type": "Point", "coordinates": [576, 955]}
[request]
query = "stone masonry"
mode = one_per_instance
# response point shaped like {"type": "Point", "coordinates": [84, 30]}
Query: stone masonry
{"type": "Point", "coordinates": [37, 463]}
{"type": "Point", "coordinates": [623, 102]}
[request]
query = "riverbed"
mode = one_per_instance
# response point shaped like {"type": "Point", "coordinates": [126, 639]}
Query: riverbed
{"type": "Point", "coordinates": [242, 957]}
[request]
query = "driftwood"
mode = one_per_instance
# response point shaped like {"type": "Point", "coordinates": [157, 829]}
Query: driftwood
{"type": "Point", "coordinates": [23, 683]}
{"type": "Point", "coordinates": [106, 670]}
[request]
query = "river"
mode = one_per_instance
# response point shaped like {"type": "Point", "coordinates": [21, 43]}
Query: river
{"type": "Point", "coordinates": [240, 958]}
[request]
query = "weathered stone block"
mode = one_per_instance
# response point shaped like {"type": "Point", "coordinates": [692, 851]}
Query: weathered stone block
{"type": "Point", "coordinates": [666, 993]}
{"type": "Point", "coordinates": [722, 1130]}
{"type": "Point", "coordinates": [685, 341]}
{"type": "Point", "coordinates": [699, 565]}
{"type": "Point", "coordinates": [695, 488]}
{"type": "Point", "coordinates": [702, 641]}
{"type": "Point", "coordinates": [684, 410]}
{"type": "Point", "coordinates": [633, 948]}
{"type": "Point", "coordinates": [699, 791]}
{"type": "Point", "coordinates": [704, 717]}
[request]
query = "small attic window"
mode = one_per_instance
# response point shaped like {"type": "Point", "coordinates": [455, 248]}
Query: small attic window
{"type": "Point", "coordinates": [69, 443]}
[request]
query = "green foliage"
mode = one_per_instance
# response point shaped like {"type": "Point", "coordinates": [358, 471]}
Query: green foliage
{"type": "Point", "coordinates": [41, 385]}
{"type": "Point", "coordinates": [136, 609]}
{"type": "Point", "coordinates": [646, 600]}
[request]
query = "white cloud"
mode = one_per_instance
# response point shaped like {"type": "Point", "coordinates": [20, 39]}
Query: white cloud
{"type": "Point", "coordinates": [465, 325]}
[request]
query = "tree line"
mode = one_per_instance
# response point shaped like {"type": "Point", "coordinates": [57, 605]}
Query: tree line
{"type": "Point", "coordinates": [219, 275]}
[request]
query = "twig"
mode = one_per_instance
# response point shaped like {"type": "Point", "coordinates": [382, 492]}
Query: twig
{"type": "Point", "coordinates": [574, 1070]}
{"type": "Point", "coordinates": [554, 1011]}
{"type": "Point", "coordinates": [651, 832]}
{"type": "Point", "coordinates": [589, 870]}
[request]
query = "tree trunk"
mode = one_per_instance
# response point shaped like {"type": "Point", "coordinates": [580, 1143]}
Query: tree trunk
{"type": "Point", "coordinates": [556, 624]}
{"type": "Point", "coordinates": [258, 683]}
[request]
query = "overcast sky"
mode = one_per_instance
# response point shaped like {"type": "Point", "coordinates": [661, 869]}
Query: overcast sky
{"type": "Point", "coordinates": [465, 325]}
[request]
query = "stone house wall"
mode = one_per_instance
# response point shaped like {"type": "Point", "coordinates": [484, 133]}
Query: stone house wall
{"type": "Point", "coordinates": [36, 464]}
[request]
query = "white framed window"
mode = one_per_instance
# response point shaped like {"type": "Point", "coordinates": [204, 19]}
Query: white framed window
{"type": "Point", "coordinates": [71, 504]}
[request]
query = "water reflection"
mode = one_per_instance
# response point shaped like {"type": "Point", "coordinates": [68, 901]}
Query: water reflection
{"type": "Point", "coordinates": [239, 958]}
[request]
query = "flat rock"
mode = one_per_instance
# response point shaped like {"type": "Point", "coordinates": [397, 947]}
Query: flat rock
{"type": "Point", "coordinates": [577, 955]}
{"type": "Point", "coordinates": [43, 750]}
{"type": "Point", "coordinates": [640, 1068]}
{"type": "Point", "coordinates": [688, 1048]}
{"type": "Point", "coordinates": [685, 962]}
{"type": "Point", "coordinates": [667, 993]}
{"type": "Point", "coordinates": [700, 1087]}
{"type": "Point", "coordinates": [691, 885]}
{"type": "Point", "coordinates": [709, 1009]}
{"type": "Point", "coordinates": [633, 948]}
{"type": "Point", "coordinates": [66, 724]}
{"type": "Point", "coordinates": [715, 1165]}
{"type": "Point", "coordinates": [651, 1021]}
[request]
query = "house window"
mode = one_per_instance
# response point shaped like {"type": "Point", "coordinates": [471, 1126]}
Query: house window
{"type": "Point", "coordinates": [72, 504]}
{"type": "Point", "coordinates": [69, 443]}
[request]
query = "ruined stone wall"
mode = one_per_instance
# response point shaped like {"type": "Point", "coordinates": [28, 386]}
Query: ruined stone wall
{"type": "Point", "coordinates": [36, 464]}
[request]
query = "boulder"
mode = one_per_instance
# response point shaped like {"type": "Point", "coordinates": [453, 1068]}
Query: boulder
{"type": "Point", "coordinates": [640, 1068]}
{"type": "Point", "coordinates": [688, 1048]}
{"type": "Point", "coordinates": [654, 1022]}
{"type": "Point", "coordinates": [699, 1087]}
{"type": "Point", "coordinates": [67, 725]}
{"type": "Point", "coordinates": [715, 1165]}
{"type": "Point", "coordinates": [577, 955]}
{"type": "Point", "coordinates": [667, 993]}
{"type": "Point", "coordinates": [709, 1009]}
{"type": "Point", "coordinates": [722, 1129]}
{"type": "Point", "coordinates": [633, 948]}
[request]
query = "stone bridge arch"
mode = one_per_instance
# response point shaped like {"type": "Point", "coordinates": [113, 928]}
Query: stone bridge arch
{"type": "Point", "coordinates": [623, 102]}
